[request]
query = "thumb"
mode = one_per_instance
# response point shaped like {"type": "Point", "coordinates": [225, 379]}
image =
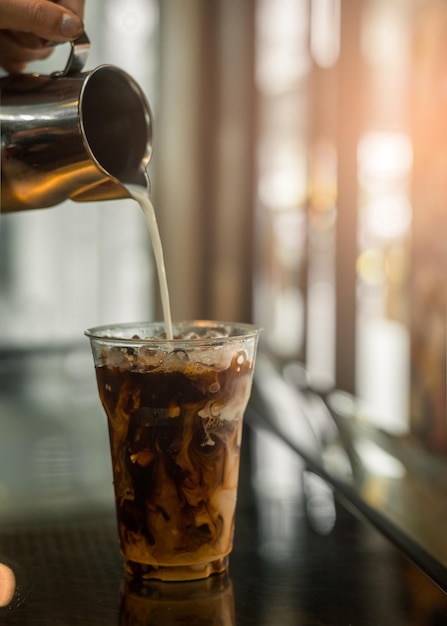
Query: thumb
{"type": "Point", "coordinates": [40, 17]}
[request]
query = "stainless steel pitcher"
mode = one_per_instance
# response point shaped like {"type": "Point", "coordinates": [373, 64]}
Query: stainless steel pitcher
{"type": "Point", "coordinates": [72, 134]}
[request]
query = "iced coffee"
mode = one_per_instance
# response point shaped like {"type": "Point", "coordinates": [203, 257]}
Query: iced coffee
{"type": "Point", "coordinates": [175, 410]}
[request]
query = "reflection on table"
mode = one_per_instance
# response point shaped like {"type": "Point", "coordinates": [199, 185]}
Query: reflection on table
{"type": "Point", "coordinates": [209, 601]}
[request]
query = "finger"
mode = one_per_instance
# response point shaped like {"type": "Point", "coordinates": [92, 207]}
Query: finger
{"type": "Point", "coordinates": [12, 67]}
{"type": "Point", "coordinates": [42, 18]}
{"type": "Point", "coordinates": [28, 40]}
{"type": "Point", "coordinates": [75, 6]}
{"type": "Point", "coordinates": [14, 57]}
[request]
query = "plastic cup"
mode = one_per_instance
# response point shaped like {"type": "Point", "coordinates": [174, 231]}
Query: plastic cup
{"type": "Point", "coordinates": [175, 412]}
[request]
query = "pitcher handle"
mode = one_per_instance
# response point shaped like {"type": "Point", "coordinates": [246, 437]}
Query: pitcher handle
{"type": "Point", "coordinates": [80, 48]}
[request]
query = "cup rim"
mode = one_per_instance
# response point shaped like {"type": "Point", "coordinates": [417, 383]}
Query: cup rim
{"type": "Point", "coordinates": [107, 333]}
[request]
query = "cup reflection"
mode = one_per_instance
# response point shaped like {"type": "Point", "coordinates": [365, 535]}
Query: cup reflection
{"type": "Point", "coordinates": [209, 601]}
{"type": "Point", "coordinates": [7, 585]}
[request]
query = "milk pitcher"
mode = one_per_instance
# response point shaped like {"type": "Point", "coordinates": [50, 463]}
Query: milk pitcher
{"type": "Point", "coordinates": [72, 135]}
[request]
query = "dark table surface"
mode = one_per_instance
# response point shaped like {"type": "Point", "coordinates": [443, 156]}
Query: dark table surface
{"type": "Point", "coordinates": [303, 554]}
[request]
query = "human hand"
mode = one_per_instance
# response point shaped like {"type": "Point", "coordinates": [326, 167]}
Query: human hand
{"type": "Point", "coordinates": [28, 27]}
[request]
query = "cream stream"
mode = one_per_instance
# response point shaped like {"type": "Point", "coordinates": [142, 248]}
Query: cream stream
{"type": "Point", "coordinates": [141, 195]}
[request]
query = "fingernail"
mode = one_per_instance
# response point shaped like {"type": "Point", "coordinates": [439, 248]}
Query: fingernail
{"type": "Point", "coordinates": [71, 26]}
